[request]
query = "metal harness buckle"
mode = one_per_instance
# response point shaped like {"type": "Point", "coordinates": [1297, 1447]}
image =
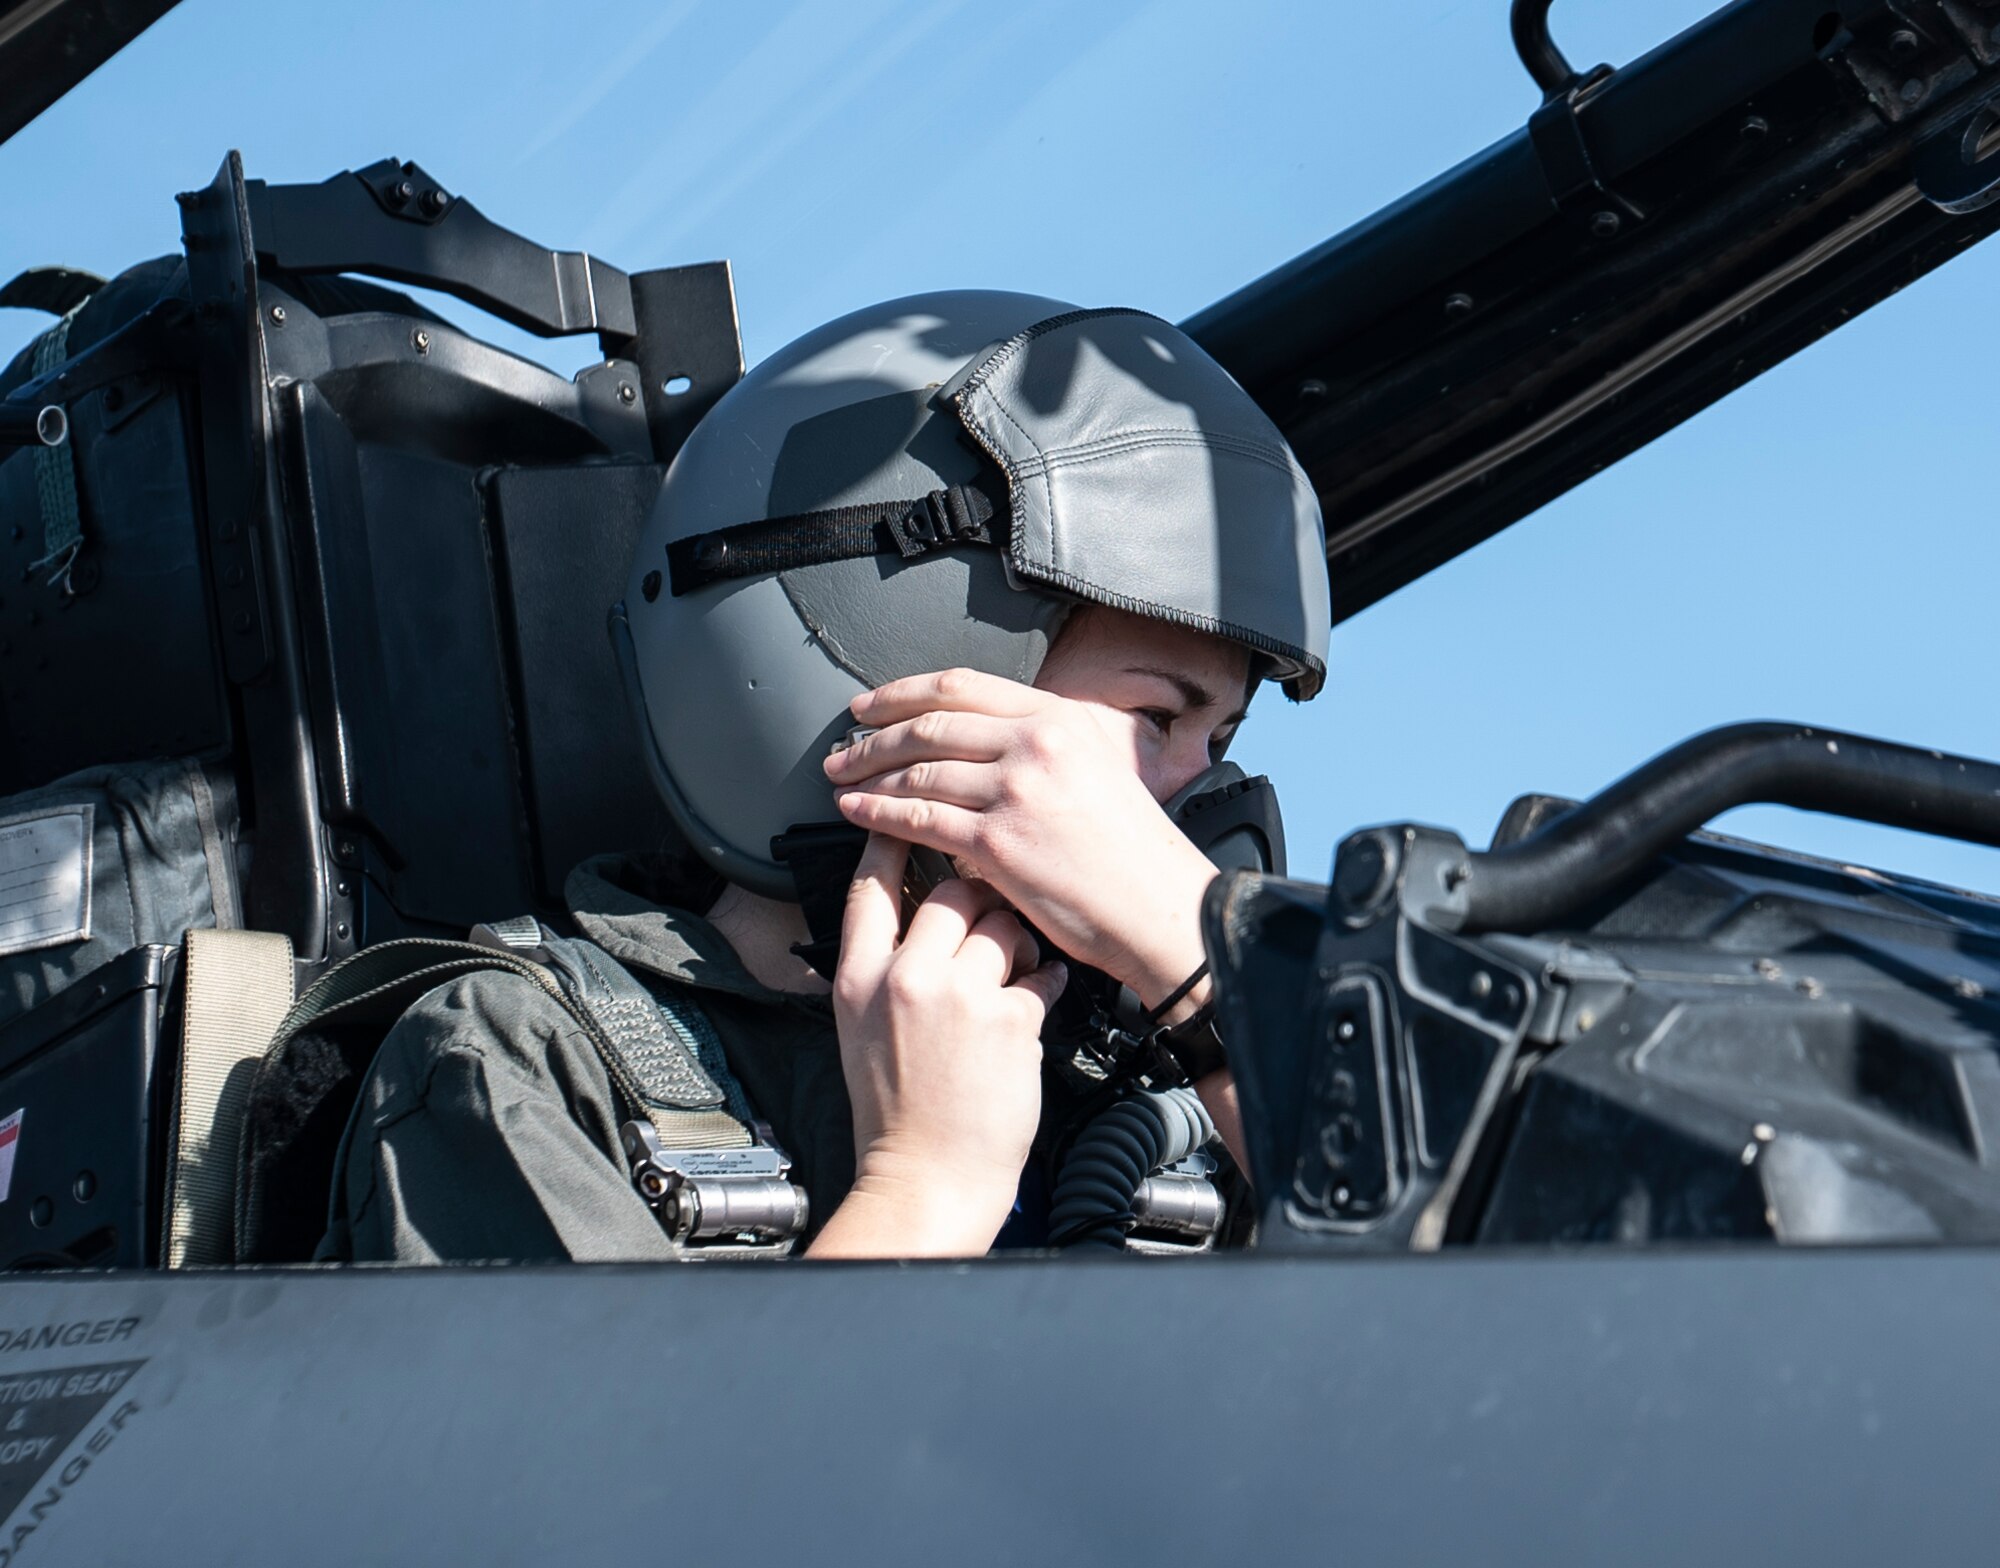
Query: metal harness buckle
{"type": "Point", "coordinates": [718, 1203]}
{"type": "Point", "coordinates": [1178, 1210]}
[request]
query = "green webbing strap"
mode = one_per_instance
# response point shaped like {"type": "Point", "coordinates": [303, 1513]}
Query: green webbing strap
{"type": "Point", "coordinates": [663, 1055]}
{"type": "Point", "coordinates": [55, 470]}
{"type": "Point", "coordinates": [379, 983]}
{"type": "Point", "coordinates": [688, 1101]}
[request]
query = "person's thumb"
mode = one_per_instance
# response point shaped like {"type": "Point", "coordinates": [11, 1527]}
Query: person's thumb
{"type": "Point", "coordinates": [1044, 985]}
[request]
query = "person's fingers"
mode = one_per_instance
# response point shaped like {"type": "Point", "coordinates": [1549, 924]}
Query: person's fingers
{"type": "Point", "coordinates": [998, 947]}
{"type": "Point", "coordinates": [1042, 986]}
{"type": "Point", "coordinates": [957, 691]}
{"type": "Point", "coordinates": [966, 737]}
{"type": "Point", "coordinates": [951, 830]}
{"type": "Point", "coordinates": [873, 918]}
{"type": "Point", "coordinates": [946, 917]}
{"type": "Point", "coordinates": [973, 785]}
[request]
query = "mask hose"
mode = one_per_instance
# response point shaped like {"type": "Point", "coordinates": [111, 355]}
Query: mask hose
{"type": "Point", "coordinates": [1092, 1203]}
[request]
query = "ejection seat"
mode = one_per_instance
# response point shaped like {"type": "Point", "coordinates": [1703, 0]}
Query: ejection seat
{"type": "Point", "coordinates": [303, 633]}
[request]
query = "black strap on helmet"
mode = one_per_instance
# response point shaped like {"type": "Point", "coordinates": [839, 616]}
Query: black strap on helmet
{"type": "Point", "coordinates": [957, 515]}
{"type": "Point", "coordinates": [823, 858]}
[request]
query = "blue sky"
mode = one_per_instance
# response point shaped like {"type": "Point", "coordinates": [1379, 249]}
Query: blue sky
{"type": "Point", "coordinates": [1818, 546]}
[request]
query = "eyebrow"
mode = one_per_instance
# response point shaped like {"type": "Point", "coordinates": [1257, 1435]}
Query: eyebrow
{"type": "Point", "coordinates": [1192, 692]}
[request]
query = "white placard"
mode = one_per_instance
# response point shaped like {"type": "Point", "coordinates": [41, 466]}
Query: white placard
{"type": "Point", "coordinates": [44, 879]}
{"type": "Point", "coordinates": [10, 1142]}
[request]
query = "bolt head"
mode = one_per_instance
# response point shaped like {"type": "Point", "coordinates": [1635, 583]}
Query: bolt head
{"type": "Point", "coordinates": [1605, 224]}
{"type": "Point", "coordinates": [1457, 306]}
{"type": "Point", "coordinates": [1755, 128]}
{"type": "Point", "coordinates": [435, 201]}
{"type": "Point", "coordinates": [1902, 44]}
{"type": "Point", "coordinates": [401, 192]}
{"type": "Point", "coordinates": [278, 315]}
{"type": "Point", "coordinates": [1911, 91]}
{"type": "Point", "coordinates": [627, 393]}
{"type": "Point", "coordinates": [422, 340]}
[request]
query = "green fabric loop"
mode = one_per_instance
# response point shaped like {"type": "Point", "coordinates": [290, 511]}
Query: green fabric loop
{"type": "Point", "coordinates": [55, 470]}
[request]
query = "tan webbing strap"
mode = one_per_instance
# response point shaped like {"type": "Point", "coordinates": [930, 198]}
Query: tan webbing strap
{"type": "Point", "coordinates": [236, 987]}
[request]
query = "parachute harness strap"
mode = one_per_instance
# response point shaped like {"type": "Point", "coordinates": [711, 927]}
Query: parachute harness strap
{"type": "Point", "coordinates": [713, 1176]}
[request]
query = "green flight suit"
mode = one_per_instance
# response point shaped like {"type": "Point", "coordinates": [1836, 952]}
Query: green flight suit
{"type": "Point", "coordinates": [488, 1127]}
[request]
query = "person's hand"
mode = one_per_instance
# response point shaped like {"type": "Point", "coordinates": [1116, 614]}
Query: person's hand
{"type": "Point", "coordinates": [940, 1045]}
{"type": "Point", "coordinates": [1027, 791]}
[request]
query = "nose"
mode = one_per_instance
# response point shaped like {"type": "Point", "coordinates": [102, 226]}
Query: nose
{"type": "Point", "coordinates": [1184, 759]}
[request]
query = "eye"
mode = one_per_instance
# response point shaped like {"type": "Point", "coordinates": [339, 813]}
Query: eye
{"type": "Point", "coordinates": [1161, 719]}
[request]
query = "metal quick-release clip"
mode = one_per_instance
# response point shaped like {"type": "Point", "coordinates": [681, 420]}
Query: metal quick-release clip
{"type": "Point", "coordinates": [1178, 1210]}
{"type": "Point", "coordinates": [718, 1203]}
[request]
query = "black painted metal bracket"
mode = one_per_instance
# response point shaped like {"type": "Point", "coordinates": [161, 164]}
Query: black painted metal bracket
{"type": "Point", "coordinates": [393, 220]}
{"type": "Point", "coordinates": [438, 241]}
{"type": "Point", "coordinates": [1958, 169]}
{"type": "Point", "coordinates": [1556, 132]}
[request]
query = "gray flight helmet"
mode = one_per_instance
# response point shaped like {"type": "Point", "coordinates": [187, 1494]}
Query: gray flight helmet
{"type": "Point", "coordinates": [932, 483]}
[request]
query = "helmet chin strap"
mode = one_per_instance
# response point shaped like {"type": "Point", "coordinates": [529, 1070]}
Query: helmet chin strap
{"type": "Point", "coordinates": [822, 858]}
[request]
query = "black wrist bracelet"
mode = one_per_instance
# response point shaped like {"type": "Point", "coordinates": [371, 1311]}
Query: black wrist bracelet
{"type": "Point", "coordinates": [1178, 992]}
{"type": "Point", "coordinates": [1194, 1043]}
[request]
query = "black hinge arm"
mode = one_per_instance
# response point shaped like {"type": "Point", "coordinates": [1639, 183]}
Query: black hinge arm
{"type": "Point", "coordinates": [342, 225]}
{"type": "Point", "coordinates": [391, 220]}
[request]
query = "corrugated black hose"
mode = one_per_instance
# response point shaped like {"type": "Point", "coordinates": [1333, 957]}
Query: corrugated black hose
{"type": "Point", "coordinates": [1092, 1204]}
